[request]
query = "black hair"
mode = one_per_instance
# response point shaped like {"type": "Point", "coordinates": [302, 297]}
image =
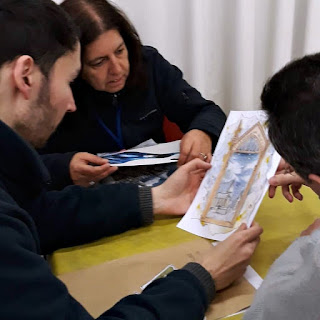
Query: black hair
{"type": "Point", "coordinates": [38, 28]}
{"type": "Point", "coordinates": [292, 100]}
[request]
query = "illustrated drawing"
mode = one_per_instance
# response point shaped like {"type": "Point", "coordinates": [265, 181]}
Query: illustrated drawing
{"type": "Point", "coordinates": [236, 177]}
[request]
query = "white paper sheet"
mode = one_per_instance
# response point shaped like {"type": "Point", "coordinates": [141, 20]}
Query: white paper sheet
{"type": "Point", "coordinates": [147, 143]}
{"type": "Point", "coordinates": [253, 277]}
{"type": "Point", "coordinates": [191, 221]}
{"type": "Point", "coordinates": [151, 155]}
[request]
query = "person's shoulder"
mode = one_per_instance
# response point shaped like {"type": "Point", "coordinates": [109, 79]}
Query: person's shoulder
{"type": "Point", "coordinates": [83, 95]}
{"type": "Point", "coordinates": [79, 86]}
{"type": "Point", "coordinates": [155, 61]}
{"type": "Point", "coordinates": [150, 54]}
{"type": "Point", "coordinates": [149, 51]}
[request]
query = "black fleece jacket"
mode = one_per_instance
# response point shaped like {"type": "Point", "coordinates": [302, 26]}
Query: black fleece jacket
{"type": "Point", "coordinates": [142, 113]}
{"type": "Point", "coordinates": [34, 221]}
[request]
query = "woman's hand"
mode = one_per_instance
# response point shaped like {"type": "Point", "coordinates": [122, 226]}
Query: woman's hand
{"type": "Point", "coordinates": [86, 169]}
{"type": "Point", "coordinates": [195, 144]}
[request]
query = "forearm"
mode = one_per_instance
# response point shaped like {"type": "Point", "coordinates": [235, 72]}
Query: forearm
{"type": "Point", "coordinates": [178, 296]}
{"type": "Point", "coordinates": [181, 295]}
{"type": "Point", "coordinates": [192, 111]}
{"type": "Point", "coordinates": [210, 119]}
{"type": "Point", "coordinates": [183, 104]}
{"type": "Point", "coordinates": [77, 215]}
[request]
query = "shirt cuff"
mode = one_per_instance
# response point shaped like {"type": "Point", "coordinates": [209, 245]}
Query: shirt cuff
{"type": "Point", "coordinates": [146, 207]}
{"type": "Point", "coordinates": [204, 277]}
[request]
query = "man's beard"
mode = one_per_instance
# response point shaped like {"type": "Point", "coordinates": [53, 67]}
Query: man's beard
{"type": "Point", "coordinates": [38, 123]}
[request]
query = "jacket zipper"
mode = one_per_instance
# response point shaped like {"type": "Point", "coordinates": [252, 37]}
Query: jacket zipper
{"type": "Point", "coordinates": [115, 100]}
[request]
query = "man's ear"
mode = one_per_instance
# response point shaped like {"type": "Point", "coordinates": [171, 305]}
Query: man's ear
{"type": "Point", "coordinates": [23, 75]}
{"type": "Point", "coordinates": [314, 178]}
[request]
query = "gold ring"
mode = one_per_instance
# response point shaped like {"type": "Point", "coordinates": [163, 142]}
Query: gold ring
{"type": "Point", "coordinates": [203, 155]}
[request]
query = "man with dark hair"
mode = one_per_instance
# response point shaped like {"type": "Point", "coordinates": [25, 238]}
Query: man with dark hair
{"type": "Point", "coordinates": [292, 100]}
{"type": "Point", "coordinates": [38, 31]}
{"type": "Point", "coordinates": [34, 37]}
{"type": "Point", "coordinates": [39, 57]}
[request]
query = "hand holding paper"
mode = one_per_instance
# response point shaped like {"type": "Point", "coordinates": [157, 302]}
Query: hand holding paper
{"type": "Point", "coordinates": [175, 195]}
{"type": "Point", "coordinates": [228, 261]}
{"type": "Point", "coordinates": [86, 168]}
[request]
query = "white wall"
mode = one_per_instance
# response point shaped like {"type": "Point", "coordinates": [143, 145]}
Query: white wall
{"type": "Point", "coordinates": [227, 48]}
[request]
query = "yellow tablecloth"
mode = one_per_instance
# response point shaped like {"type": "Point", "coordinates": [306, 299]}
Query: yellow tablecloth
{"type": "Point", "coordinates": [282, 223]}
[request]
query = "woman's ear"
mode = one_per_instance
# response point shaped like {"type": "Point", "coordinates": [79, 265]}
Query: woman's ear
{"type": "Point", "coordinates": [24, 75]}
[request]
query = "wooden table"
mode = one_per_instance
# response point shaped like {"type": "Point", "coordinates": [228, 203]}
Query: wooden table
{"type": "Point", "coordinates": [282, 223]}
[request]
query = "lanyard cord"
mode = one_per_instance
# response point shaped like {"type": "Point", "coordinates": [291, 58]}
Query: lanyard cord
{"type": "Point", "coordinates": [118, 137]}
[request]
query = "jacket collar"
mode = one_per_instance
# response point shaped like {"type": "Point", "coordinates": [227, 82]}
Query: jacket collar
{"type": "Point", "coordinates": [20, 165]}
{"type": "Point", "coordinates": [81, 86]}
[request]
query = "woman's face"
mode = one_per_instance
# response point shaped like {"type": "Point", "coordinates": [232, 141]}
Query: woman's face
{"type": "Point", "coordinates": [106, 63]}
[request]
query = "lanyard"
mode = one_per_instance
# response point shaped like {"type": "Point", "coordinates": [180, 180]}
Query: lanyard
{"type": "Point", "coordinates": [118, 137]}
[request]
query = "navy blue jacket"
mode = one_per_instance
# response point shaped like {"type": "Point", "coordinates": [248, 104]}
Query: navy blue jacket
{"type": "Point", "coordinates": [34, 221]}
{"type": "Point", "coordinates": [142, 112]}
